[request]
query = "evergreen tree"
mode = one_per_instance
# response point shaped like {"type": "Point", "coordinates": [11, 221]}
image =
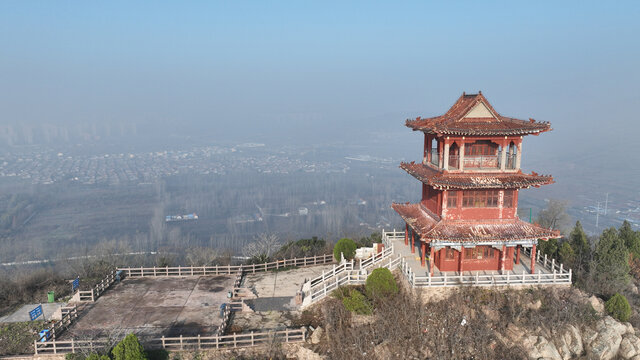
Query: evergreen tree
{"type": "Point", "coordinates": [581, 248]}
{"type": "Point", "coordinates": [631, 239]}
{"type": "Point", "coordinates": [618, 307]}
{"type": "Point", "coordinates": [566, 254]}
{"type": "Point", "coordinates": [129, 349]}
{"type": "Point", "coordinates": [549, 247]}
{"type": "Point", "coordinates": [611, 265]}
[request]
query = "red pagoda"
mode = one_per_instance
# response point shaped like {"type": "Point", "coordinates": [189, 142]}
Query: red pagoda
{"type": "Point", "coordinates": [470, 173]}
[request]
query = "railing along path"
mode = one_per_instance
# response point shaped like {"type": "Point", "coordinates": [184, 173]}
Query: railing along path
{"type": "Point", "coordinates": [180, 343]}
{"type": "Point", "coordinates": [225, 269]}
{"type": "Point", "coordinates": [556, 274]}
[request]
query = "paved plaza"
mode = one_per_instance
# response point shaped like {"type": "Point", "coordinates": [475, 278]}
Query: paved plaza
{"type": "Point", "coordinates": [156, 306]}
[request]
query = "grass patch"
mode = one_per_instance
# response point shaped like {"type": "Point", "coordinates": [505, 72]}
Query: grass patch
{"type": "Point", "coordinates": [17, 338]}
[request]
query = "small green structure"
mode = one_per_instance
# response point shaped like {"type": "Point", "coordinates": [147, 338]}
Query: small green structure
{"type": "Point", "coordinates": [51, 296]}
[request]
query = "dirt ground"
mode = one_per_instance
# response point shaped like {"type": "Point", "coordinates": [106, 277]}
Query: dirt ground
{"type": "Point", "coordinates": [153, 307]}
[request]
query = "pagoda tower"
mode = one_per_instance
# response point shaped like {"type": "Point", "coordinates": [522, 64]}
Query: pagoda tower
{"type": "Point", "coordinates": [470, 173]}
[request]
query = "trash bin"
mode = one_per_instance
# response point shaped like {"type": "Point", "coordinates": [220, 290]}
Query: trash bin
{"type": "Point", "coordinates": [44, 335]}
{"type": "Point", "coordinates": [51, 296]}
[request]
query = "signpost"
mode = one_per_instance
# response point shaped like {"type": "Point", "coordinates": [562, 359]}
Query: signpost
{"type": "Point", "coordinates": [35, 313]}
{"type": "Point", "coordinates": [75, 284]}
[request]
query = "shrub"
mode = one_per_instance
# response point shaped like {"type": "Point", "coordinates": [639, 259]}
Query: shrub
{"type": "Point", "coordinates": [341, 292]}
{"type": "Point", "coordinates": [368, 241]}
{"type": "Point", "coordinates": [618, 307]}
{"type": "Point", "coordinates": [380, 284]}
{"type": "Point", "coordinates": [301, 248]}
{"type": "Point", "coordinates": [357, 303]}
{"type": "Point", "coordinates": [129, 349]}
{"type": "Point", "coordinates": [92, 356]}
{"type": "Point", "coordinates": [158, 354]}
{"type": "Point", "coordinates": [258, 259]}
{"type": "Point", "coordinates": [345, 246]}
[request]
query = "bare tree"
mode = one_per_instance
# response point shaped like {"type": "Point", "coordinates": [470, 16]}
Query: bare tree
{"type": "Point", "coordinates": [202, 256]}
{"type": "Point", "coordinates": [264, 245]}
{"type": "Point", "coordinates": [554, 216]}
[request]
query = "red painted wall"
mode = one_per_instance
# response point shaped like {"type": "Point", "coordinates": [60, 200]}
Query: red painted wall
{"type": "Point", "coordinates": [444, 264]}
{"type": "Point", "coordinates": [432, 199]}
{"type": "Point", "coordinates": [460, 212]}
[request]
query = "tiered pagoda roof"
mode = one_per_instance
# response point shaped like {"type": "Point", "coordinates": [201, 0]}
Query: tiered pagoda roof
{"type": "Point", "coordinates": [473, 115]}
{"type": "Point", "coordinates": [444, 180]}
{"type": "Point", "coordinates": [433, 228]}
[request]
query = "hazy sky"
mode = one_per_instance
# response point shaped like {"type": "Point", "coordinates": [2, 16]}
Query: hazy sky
{"type": "Point", "coordinates": [315, 70]}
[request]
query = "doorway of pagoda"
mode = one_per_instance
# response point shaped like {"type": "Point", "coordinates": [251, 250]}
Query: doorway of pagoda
{"type": "Point", "coordinates": [454, 157]}
{"type": "Point", "coordinates": [511, 156]}
{"type": "Point", "coordinates": [434, 154]}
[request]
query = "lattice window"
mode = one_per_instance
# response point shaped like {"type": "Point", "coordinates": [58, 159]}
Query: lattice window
{"type": "Point", "coordinates": [452, 199]}
{"type": "Point", "coordinates": [480, 147]}
{"type": "Point", "coordinates": [479, 252]}
{"type": "Point", "coordinates": [449, 254]}
{"type": "Point", "coordinates": [480, 198]}
{"type": "Point", "coordinates": [508, 199]}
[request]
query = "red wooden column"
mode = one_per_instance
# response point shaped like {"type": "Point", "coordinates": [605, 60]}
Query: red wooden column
{"type": "Point", "coordinates": [503, 257]}
{"type": "Point", "coordinates": [431, 256]}
{"type": "Point", "coordinates": [406, 234]}
{"type": "Point", "coordinates": [424, 157]}
{"type": "Point", "coordinates": [460, 259]}
{"type": "Point", "coordinates": [440, 153]}
{"type": "Point", "coordinates": [533, 259]}
{"type": "Point", "coordinates": [518, 255]}
{"type": "Point", "coordinates": [427, 147]}
{"type": "Point", "coordinates": [423, 249]}
{"type": "Point", "coordinates": [413, 242]}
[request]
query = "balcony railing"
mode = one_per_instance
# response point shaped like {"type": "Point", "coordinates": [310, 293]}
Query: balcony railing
{"type": "Point", "coordinates": [481, 162]}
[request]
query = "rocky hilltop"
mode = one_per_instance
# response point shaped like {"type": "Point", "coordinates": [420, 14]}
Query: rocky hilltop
{"type": "Point", "coordinates": [479, 323]}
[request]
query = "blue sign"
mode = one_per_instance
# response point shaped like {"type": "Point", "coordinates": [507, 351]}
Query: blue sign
{"type": "Point", "coordinates": [75, 284]}
{"type": "Point", "coordinates": [35, 313]}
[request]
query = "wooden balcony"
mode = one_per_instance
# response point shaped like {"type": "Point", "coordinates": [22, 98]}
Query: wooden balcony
{"type": "Point", "coordinates": [481, 162]}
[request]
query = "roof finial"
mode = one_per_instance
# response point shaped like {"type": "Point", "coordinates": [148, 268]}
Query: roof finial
{"type": "Point", "coordinates": [464, 93]}
{"type": "Point", "coordinates": [479, 92]}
